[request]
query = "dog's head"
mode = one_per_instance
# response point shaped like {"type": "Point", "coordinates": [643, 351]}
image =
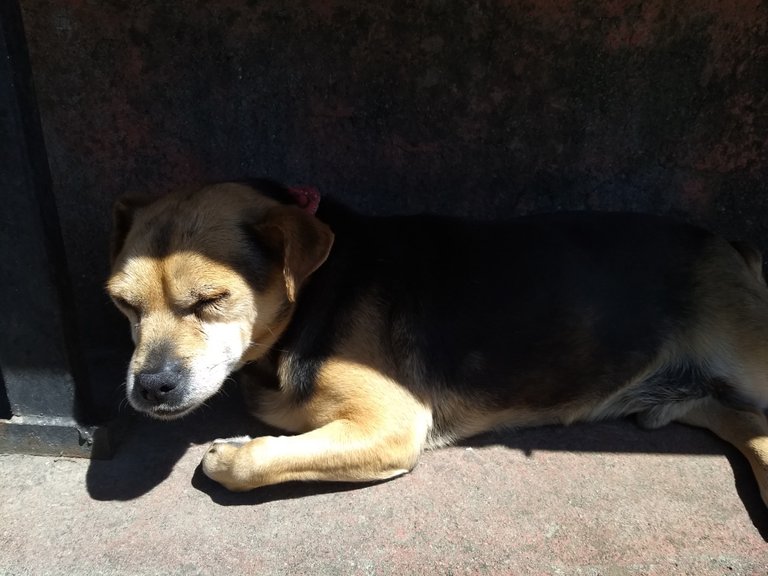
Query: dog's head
{"type": "Point", "coordinates": [208, 281]}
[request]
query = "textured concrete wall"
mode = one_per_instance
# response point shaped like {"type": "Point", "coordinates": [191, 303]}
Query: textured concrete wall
{"type": "Point", "coordinates": [483, 108]}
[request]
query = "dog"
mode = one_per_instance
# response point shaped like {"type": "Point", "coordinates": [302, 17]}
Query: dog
{"type": "Point", "coordinates": [371, 339]}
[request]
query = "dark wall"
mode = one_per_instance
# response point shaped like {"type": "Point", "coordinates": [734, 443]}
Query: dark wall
{"type": "Point", "coordinates": [487, 108]}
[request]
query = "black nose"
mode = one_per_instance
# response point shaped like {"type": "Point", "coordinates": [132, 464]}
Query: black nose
{"type": "Point", "coordinates": [156, 387]}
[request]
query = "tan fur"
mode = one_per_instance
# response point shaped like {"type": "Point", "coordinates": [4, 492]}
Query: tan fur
{"type": "Point", "coordinates": [732, 334]}
{"type": "Point", "coordinates": [305, 246]}
{"type": "Point", "coordinates": [362, 427]}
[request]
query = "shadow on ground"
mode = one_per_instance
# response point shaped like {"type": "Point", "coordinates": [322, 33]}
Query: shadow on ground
{"type": "Point", "coordinates": [287, 491]}
{"type": "Point", "coordinates": [623, 436]}
{"type": "Point", "coordinates": [150, 449]}
{"type": "Point", "coordinates": [147, 450]}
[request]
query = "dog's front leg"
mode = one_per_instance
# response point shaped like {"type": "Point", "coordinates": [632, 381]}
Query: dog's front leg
{"type": "Point", "coordinates": [342, 450]}
{"type": "Point", "coordinates": [359, 425]}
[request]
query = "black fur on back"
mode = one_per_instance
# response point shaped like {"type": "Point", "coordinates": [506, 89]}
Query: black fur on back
{"type": "Point", "coordinates": [527, 313]}
{"type": "Point", "coordinates": [535, 311]}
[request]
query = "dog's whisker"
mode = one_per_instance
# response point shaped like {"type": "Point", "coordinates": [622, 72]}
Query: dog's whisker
{"type": "Point", "coordinates": [268, 347]}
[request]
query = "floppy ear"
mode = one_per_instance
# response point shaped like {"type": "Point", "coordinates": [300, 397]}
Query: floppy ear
{"type": "Point", "coordinates": [303, 240]}
{"type": "Point", "coordinates": [123, 212]}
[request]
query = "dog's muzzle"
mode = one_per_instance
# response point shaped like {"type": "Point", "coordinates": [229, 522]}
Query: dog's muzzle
{"type": "Point", "coordinates": [161, 391]}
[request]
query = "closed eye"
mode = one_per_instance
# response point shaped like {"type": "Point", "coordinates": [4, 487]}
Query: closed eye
{"type": "Point", "coordinates": [126, 306]}
{"type": "Point", "coordinates": [209, 302]}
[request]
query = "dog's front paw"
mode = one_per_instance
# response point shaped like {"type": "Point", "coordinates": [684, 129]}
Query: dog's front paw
{"type": "Point", "coordinates": [223, 462]}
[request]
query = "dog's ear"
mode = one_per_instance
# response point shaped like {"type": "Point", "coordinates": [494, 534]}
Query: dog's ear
{"type": "Point", "coordinates": [123, 213]}
{"type": "Point", "coordinates": [302, 240]}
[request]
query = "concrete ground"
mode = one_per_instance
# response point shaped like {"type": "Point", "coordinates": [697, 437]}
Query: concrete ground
{"type": "Point", "coordinates": [607, 499]}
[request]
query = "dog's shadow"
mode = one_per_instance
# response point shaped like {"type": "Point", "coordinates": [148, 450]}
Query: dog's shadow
{"type": "Point", "coordinates": [622, 436]}
{"type": "Point", "coordinates": [146, 450]}
{"type": "Point", "coordinates": [150, 449]}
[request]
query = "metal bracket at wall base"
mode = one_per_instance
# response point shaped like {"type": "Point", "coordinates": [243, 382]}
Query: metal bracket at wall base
{"type": "Point", "coordinates": [54, 436]}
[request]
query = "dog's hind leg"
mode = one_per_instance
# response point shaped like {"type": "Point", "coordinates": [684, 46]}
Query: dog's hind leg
{"type": "Point", "coordinates": [747, 430]}
{"type": "Point", "coordinates": [362, 427]}
{"type": "Point", "coordinates": [729, 342]}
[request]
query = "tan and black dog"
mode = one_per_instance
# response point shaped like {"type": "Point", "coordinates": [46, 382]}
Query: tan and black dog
{"type": "Point", "coordinates": [380, 337]}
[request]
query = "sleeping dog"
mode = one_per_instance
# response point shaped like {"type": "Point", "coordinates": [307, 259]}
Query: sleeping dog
{"type": "Point", "coordinates": [374, 338]}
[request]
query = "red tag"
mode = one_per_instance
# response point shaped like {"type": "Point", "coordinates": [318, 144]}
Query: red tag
{"type": "Point", "coordinates": [307, 197]}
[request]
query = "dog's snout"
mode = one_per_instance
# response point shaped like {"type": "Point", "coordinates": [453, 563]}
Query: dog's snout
{"type": "Point", "coordinates": [156, 386]}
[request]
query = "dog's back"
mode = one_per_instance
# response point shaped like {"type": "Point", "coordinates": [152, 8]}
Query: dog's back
{"type": "Point", "coordinates": [541, 319]}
